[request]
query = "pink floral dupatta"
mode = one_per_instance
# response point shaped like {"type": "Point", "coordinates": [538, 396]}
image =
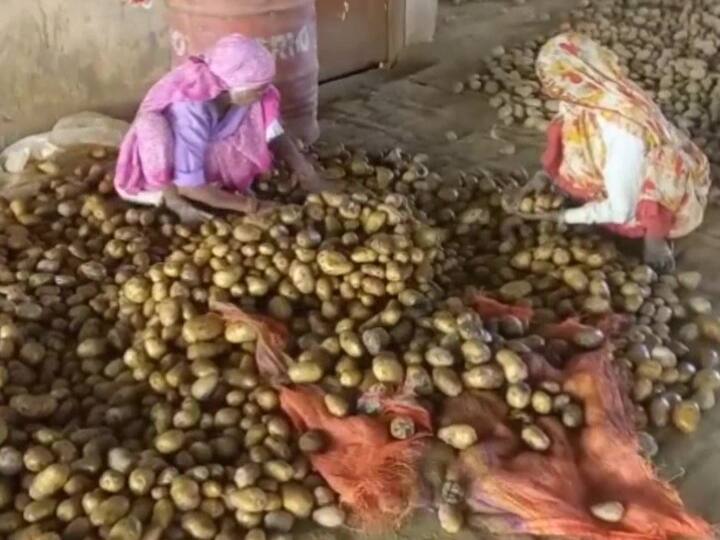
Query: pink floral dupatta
{"type": "Point", "coordinates": [235, 62]}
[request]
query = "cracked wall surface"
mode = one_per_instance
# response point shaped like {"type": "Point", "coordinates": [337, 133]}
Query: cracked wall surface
{"type": "Point", "coordinates": [63, 56]}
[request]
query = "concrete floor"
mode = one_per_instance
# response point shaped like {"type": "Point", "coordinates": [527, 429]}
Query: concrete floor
{"type": "Point", "coordinates": [413, 106]}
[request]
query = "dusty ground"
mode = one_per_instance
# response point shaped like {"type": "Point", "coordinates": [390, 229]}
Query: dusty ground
{"type": "Point", "coordinates": [413, 106]}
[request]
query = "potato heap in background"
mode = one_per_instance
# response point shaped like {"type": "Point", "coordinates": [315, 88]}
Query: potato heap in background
{"type": "Point", "coordinates": [670, 48]}
{"type": "Point", "coordinates": [128, 410]}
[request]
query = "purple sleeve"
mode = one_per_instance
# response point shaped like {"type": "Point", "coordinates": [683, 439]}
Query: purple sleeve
{"type": "Point", "coordinates": [191, 123]}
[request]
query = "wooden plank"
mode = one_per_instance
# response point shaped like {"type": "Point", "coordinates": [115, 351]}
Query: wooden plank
{"type": "Point", "coordinates": [396, 27]}
{"type": "Point", "coordinates": [420, 21]}
{"type": "Point", "coordinates": [352, 36]}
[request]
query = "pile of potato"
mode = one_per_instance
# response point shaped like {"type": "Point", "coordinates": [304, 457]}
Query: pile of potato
{"type": "Point", "coordinates": [130, 410]}
{"type": "Point", "coordinates": [669, 48]}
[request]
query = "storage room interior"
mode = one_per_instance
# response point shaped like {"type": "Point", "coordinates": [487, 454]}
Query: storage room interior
{"type": "Point", "coordinates": [408, 89]}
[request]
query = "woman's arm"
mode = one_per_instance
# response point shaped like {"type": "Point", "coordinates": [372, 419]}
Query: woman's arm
{"type": "Point", "coordinates": [220, 199]}
{"type": "Point", "coordinates": [287, 150]}
{"type": "Point", "coordinates": [623, 176]}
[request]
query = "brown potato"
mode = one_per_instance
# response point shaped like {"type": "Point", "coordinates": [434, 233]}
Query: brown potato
{"type": "Point", "coordinates": [513, 366]}
{"type": "Point", "coordinates": [459, 436]}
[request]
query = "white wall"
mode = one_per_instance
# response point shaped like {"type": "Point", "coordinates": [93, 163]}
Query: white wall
{"type": "Point", "coordinates": [62, 56]}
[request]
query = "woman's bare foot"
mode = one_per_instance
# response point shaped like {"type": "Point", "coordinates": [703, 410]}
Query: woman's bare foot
{"type": "Point", "coordinates": [188, 213]}
{"type": "Point", "coordinates": [659, 254]}
{"type": "Point", "coordinates": [312, 182]}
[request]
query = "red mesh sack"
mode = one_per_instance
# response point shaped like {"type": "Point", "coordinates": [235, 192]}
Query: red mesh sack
{"type": "Point", "coordinates": [375, 476]}
{"type": "Point", "coordinates": [489, 308]}
{"type": "Point", "coordinates": [522, 491]}
{"type": "Point", "coordinates": [610, 325]}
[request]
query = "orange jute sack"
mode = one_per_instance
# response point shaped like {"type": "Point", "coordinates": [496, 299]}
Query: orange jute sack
{"type": "Point", "coordinates": [551, 494]}
{"type": "Point", "coordinates": [517, 490]}
{"type": "Point", "coordinates": [375, 476]}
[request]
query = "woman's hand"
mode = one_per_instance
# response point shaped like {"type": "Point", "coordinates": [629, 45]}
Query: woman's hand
{"type": "Point", "coordinates": [302, 169]}
{"type": "Point", "coordinates": [307, 176]}
{"type": "Point", "coordinates": [216, 197]}
{"type": "Point", "coordinates": [659, 254]}
{"type": "Point", "coordinates": [511, 201]}
{"type": "Point", "coordinates": [186, 212]}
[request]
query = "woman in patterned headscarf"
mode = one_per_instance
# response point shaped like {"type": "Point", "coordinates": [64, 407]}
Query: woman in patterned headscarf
{"type": "Point", "coordinates": [611, 148]}
{"type": "Point", "coordinates": [206, 131]}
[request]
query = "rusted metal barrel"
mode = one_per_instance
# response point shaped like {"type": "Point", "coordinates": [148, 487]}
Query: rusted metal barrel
{"type": "Point", "coordinates": [288, 28]}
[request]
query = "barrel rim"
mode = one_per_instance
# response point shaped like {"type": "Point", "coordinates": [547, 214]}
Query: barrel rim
{"type": "Point", "coordinates": [199, 7]}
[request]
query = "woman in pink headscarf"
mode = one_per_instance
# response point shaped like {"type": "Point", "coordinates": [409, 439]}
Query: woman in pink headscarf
{"type": "Point", "coordinates": [205, 131]}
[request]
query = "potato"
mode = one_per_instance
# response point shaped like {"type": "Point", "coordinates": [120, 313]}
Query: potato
{"type": "Point", "coordinates": [279, 520]}
{"type": "Point", "coordinates": [513, 366]}
{"type": "Point", "coordinates": [249, 499]}
{"type": "Point", "coordinates": [141, 481]}
{"type": "Point", "coordinates": [610, 512]}
{"type": "Point", "coordinates": [297, 500]}
{"type": "Point", "coordinates": [375, 340]}
{"type": "Point", "coordinates": [329, 517]}
{"type": "Point", "coordinates": [312, 442]}
{"type": "Point", "coordinates": [572, 416]}
{"type": "Point", "coordinates": [576, 279]}
{"type": "Point", "coordinates": [447, 381]}
{"type": "Point", "coordinates": [185, 493]}
{"type": "Point", "coordinates": [648, 444]}
{"type": "Point", "coordinates": [535, 438]}
{"type": "Point", "coordinates": [542, 402]}
{"type": "Point", "coordinates": [305, 372]}
{"type": "Point", "coordinates": [237, 332]}
{"type": "Point", "coordinates": [110, 511]}
{"type": "Point", "coordinates": [592, 338]}
{"type": "Point", "coordinates": [351, 343]}
{"type": "Point", "coordinates": [49, 481]}
{"type": "Point", "coordinates": [334, 263]}
{"type": "Point", "coordinates": [707, 378]}
{"type": "Point", "coordinates": [649, 369]}
{"type": "Point", "coordinates": [402, 427]}
{"type": "Point", "coordinates": [659, 411]}
{"type": "Point", "coordinates": [418, 380]}
{"type": "Point", "coordinates": [256, 534]}
{"type": "Point", "coordinates": [37, 511]}
{"type": "Point", "coordinates": [459, 436]}
{"type": "Point", "coordinates": [699, 305]}
{"type": "Point", "coordinates": [278, 469]}
{"type": "Point", "coordinates": [439, 357]}
{"type": "Point", "coordinates": [450, 518]}
{"type": "Point", "coordinates": [686, 416]}
{"type": "Point", "coordinates": [476, 352]}
{"type": "Point", "coordinates": [170, 441]}
{"type": "Point", "coordinates": [199, 525]}
{"type": "Point", "coordinates": [689, 280]}
{"type": "Point", "coordinates": [302, 277]}
{"type": "Point", "coordinates": [387, 369]}
{"type": "Point", "coordinates": [247, 233]}
{"type": "Point", "coordinates": [515, 290]}
{"type": "Point", "coordinates": [127, 528]}
{"type": "Point", "coordinates": [596, 305]}
{"type": "Point", "coordinates": [34, 407]}
{"type": "Point", "coordinates": [485, 377]}
{"type": "Point", "coordinates": [203, 328]}
{"type": "Point", "coordinates": [337, 405]}
{"type": "Point", "coordinates": [518, 395]}
{"type": "Point", "coordinates": [137, 290]}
